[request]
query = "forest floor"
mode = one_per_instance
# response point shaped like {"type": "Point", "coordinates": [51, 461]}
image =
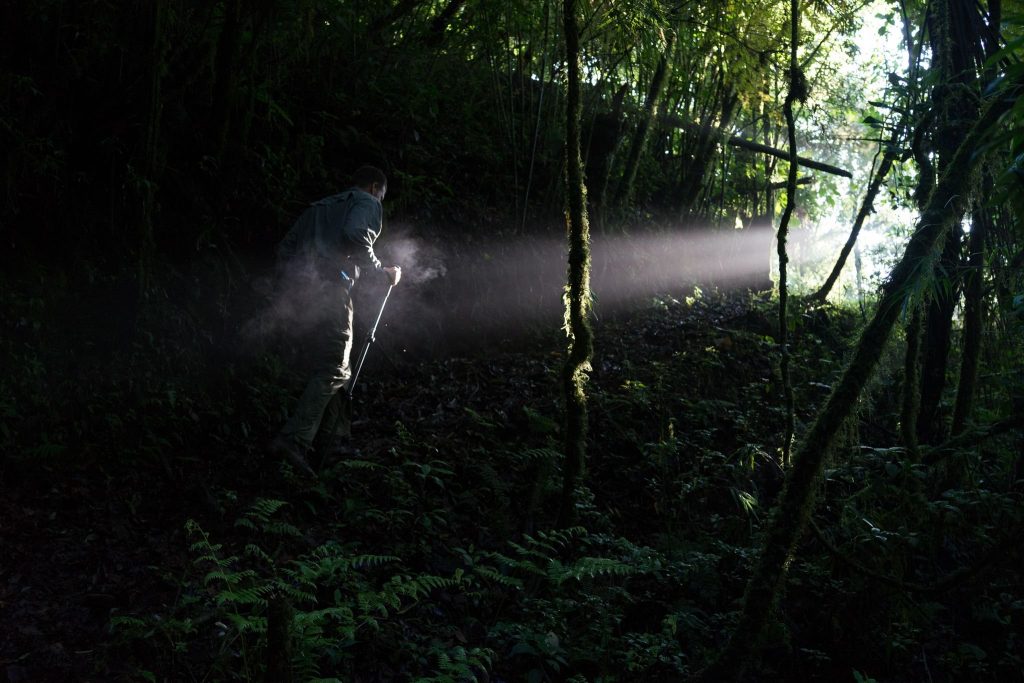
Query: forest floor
{"type": "Point", "coordinates": [85, 538]}
{"type": "Point", "coordinates": [145, 531]}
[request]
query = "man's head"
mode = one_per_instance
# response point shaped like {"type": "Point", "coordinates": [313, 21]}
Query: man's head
{"type": "Point", "coordinates": [372, 180]}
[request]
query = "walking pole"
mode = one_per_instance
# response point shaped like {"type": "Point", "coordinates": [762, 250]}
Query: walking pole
{"type": "Point", "coordinates": [370, 338]}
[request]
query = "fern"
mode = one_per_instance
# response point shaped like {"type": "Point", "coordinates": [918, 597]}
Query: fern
{"type": "Point", "coordinates": [258, 518]}
{"type": "Point", "coordinates": [359, 464]}
{"type": "Point", "coordinates": [460, 664]}
{"type": "Point", "coordinates": [537, 455]}
{"type": "Point", "coordinates": [498, 577]}
{"type": "Point", "coordinates": [590, 567]}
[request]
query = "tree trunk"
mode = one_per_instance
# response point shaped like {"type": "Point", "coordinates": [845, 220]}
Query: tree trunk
{"type": "Point", "coordinates": [954, 98]}
{"type": "Point", "coordinates": [973, 306]}
{"type": "Point", "coordinates": [866, 208]}
{"type": "Point", "coordinates": [150, 163]}
{"type": "Point", "coordinates": [604, 144]}
{"type": "Point", "coordinates": [636, 147]}
{"type": "Point", "coordinates": [911, 399]}
{"type": "Point", "coordinates": [581, 346]}
{"type": "Point", "coordinates": [279, 641]}
{"type": "Point", "coordinates": [937, 340]}
{"type": "Point", "coordinates": [225, 75]}
{"type": "Point", "coordinates": [441, 22]}
{"type": "Point", "coordinates": [692, 181]}
{"type": "Point", "coordinates": [797, 91]}
{"type": "Point", "coordinates": [789, 520]}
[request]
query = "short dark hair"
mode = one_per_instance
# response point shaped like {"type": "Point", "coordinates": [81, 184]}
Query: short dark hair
{"type": "Point", "coordinates": [366, 176]}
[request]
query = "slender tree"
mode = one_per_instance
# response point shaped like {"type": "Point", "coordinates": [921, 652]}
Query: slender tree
{"type": "Point", "coordinates": [890, 153]}
{"type": "Point", "coordinates": [643, 127]}
{"type": "Point", "coordinates": [577, 296]}
{"type": "Point", "coordinates": [866, 208]}
{"type": "Point", "coordinates": [150, 161]}
{"type": "Point", "coordinates": [911, 399]}
{"type": "Point", "coordinates": [797, 91]}
{"type": "Point", "coordinates": [973, 307]}
{"type": "Point", "coordinates": [226, 74]}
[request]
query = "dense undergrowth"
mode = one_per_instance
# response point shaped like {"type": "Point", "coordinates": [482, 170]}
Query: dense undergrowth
{"type": "Point", "coordinates": [150, 538]}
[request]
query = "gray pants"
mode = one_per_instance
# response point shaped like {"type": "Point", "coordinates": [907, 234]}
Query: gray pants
{"type": "Point", "coordinates": [324, 411]}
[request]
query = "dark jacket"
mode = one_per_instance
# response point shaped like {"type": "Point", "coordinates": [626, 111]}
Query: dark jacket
{"type": "Point", "coordinates": [335, 235]}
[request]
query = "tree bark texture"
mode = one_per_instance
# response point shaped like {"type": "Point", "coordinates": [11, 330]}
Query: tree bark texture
{"type": "Point", "coordinates": [581, 345]}
{"type": "Point", "coordinates": [789, 520]}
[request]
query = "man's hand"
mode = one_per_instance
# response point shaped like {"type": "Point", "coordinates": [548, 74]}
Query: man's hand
{"type": "Point", "coordinates": [394, 274]}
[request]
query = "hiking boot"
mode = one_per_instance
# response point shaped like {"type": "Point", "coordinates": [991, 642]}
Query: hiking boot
{"type": "Point", "coordinates": [293, 453]}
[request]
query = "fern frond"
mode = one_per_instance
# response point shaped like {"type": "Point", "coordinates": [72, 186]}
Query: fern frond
{"type": "Point", "coordinates": [591, 567]}
{"type": "Point", "coordinates": [244, 624]}
{"type": "Point", "coordinates": [520, 564]}
{"type": "Point", "coordinates": [365, 561]}
{"type": "Point", "coordinates": [498, 577]}
{"type": "Point", "coordinates": [297, 594]}
{"type": "Point", "coordinates": [254, 550]}
{"type": "Point", "coordinates": [281, 529]}
{"type": "Point", "coordinates": [562, 537]}
{"type": "Point", "coordinates": [243, 596]}
{"type": "Point", "coordinates": [265, 508]}
{"type": "Point", "coordinates": [538, 455]}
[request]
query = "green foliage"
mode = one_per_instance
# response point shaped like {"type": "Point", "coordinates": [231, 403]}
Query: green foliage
{"type": "Point", "coordinates": [337, 602]}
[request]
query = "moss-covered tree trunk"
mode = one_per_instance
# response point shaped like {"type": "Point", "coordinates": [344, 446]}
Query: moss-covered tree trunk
{"type": "Point", "coordinates": [797, 91]}
{"type": "Point", "coordinates": [577, 296]}
{"type": "Point", "coordinates": [945, 208]}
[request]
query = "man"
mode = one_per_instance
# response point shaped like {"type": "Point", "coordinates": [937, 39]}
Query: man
{"type": "Point", "coordinates": [321, 258]}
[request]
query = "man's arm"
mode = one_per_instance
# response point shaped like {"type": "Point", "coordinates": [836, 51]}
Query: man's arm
{"type": "Point", "coordinates": [362, 226]}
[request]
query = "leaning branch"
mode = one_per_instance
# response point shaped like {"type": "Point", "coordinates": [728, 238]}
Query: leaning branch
{"type": "Point", "coordinates": [783, 154]}
{"type": "Point", "coordinates": [736, 141]}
